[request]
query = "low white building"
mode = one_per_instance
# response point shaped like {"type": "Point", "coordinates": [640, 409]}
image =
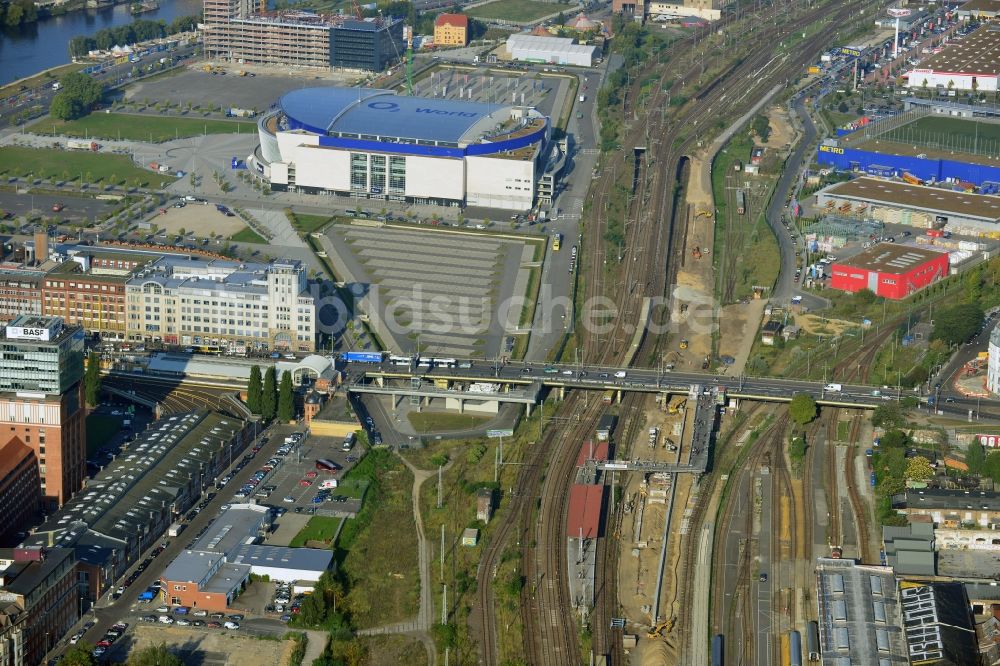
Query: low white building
{"type": "Point", "coordinates": [971, 63]}
{"type": "Point", "coordinates": [552, 50]}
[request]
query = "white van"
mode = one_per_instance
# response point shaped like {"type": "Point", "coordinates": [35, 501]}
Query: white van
{"type": "Point", "coordinates": [328, 483]}
{"type": "Point", "coordinates": [620, 374]}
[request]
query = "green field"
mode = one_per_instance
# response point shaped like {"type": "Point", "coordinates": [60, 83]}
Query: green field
{"type": "Point", "coordinates": [514, 10]}
{"type": "Point", "coordinates": [69, 165]}
{"type": "Point", "coordinates": [247, 235]}
{"type": "Point", "coordinates": [139, 127]}
{"type": "Point", "coordinates": [100, 428]}
{"type": "Point", "coordinates": [949, 134]}
{"type": "Point", "coordinates": [319, 528]}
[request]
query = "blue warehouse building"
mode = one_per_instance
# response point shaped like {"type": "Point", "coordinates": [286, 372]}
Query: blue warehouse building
{"type": "Point", "coordinates": [375, 144]}
{"type": "Point", "coordinates": [887, 165]}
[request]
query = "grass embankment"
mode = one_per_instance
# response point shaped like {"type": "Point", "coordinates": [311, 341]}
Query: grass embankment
{"type": "Point", "coordinates": [71, 166]}
{"type": "Point", "coordinates": [514, 10]}
{"type": "Point", "coordinates": [47, 77]}
{"type": "Point", "coordinates": [377, 550]}
{"type": "Point", "coordinates": [138, 127]}
{"type": "Point", "coordinates": [391, 650]}
{"type": "Point", "coordinates": [472, 468]}
{"type": "Point", "coordinates": [247, 235]}
{"type": "Point", "coordinates": [100, 429]}
{"type": "Point", "coordinates": [430, 422]}
{"type": "Point", "coordinates": [307, 224]}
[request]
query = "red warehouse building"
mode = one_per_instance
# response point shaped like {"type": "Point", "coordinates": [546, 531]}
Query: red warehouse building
{"type": "Point", "coordinates": [891, 271]}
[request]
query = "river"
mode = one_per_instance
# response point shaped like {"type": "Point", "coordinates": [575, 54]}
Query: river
{"type": "Point", "coordinates": [31, 48]}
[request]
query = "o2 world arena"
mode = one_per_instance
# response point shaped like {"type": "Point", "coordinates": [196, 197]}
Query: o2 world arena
{"type": "Point", "coordinates": [375, 144]}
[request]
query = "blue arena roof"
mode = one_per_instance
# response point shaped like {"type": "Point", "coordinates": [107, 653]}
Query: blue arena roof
{"type": "Point", "coordinates": [369, 113]}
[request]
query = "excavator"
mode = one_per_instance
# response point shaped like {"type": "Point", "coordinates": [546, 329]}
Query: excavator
{"type": "Point", "coordinates": [661, 629]}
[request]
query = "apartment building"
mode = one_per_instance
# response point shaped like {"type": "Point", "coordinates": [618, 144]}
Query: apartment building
{"type": "Point", "coordinates": [41, 400]}
{"type": "Point", "coordinates": [39, 583]}
{"type": "Point", "coordinates": [20, 489]}
{"type": "Point", "coordinates": [20, 293]}
{"type": "Point", "coordinates": [196, 301]}
{"type": "Point", "coordinates": [451, 30]}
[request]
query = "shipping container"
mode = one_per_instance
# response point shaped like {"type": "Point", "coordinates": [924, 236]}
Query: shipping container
{"type": "Point", "coordinates": [362, 357]}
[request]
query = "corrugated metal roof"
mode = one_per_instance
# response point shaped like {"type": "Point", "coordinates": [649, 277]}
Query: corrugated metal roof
{"type": "Point", "coordinates": [592, 451]}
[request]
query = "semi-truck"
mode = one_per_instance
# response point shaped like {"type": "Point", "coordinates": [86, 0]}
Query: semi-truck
{"type": "Point", "coordinates": [79, 144]}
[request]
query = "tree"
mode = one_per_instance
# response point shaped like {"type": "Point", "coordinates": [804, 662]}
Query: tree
{"type": "Point", "coordinates": [919, 469]}
{"type": "Point", "coordinates": [77, 95]}
{"type": "Point", "coordinates": [843, 108]}
{"type": "Point", "coordinates": [154, 655]}
{"type": "Point", "coordinates": [802, 408]}
{"type": "Point", "coordinates": [761, 127]}
{"type": "Point", "coordinates": [975, 457]}
{"type": "Point", "coordinates": [958, 323]}
{"type": "Point", "coordinates": [269, 398]}
{"type": "Point", "coordinates": [797, 448]}
{"type": "Point", "coordinates": [254, 390]}
{"type": "Point", "coordinates": [894, 439]}
{"type": "Point", "coordinates": [865, 296]}
{"type": "Point", "coordinates": [286, 399]}
{"type": "Point", "coordinates": [887, 416]}
{"type": "Point", "coordinates": [92, 379]}
{"type": "Point", "coordinates": [79, 655]}
{"type": "Point", "coordinates": [313, 610]}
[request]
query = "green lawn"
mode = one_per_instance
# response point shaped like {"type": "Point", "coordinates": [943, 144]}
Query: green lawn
{"type": "Point", "coordinates": [135, 127]}
{"type": "Point", "coordinates": [247, 235]}
{"type": "Point", "coordinates": [309, 223]}
{"type": "Point", "coordinates": [319, 528]}
{"type": "Point", "coordinates": [70, 165]}
{"type": "Point", "coordinates": [436, 421]}
{"type": "Point", "coordinates": [100, 428]}
{"type": "Point", "coordinates": [514, 10]}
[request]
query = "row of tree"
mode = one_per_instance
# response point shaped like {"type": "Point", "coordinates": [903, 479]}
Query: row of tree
{"type": "Point", "coordinates": [267, 398]}
{"type": "Point", "coordinates": [18, 12]}
{"type": "Point", "coordinates": [141, 30]}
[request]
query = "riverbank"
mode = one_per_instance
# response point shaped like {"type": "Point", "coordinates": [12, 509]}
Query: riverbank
{"type": "Point", "coordinates": [45, 76]}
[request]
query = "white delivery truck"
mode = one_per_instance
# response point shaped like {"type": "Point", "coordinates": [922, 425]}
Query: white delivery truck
{"type": "Point", "coordinates": [835, 388]}
{"type": "Point", "coordinates": [583, 98]}
{"type": "Point", "coordinates": [175, 529]}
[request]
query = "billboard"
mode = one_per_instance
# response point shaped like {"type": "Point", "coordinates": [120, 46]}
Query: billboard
{"type": "Point", "coordinates": [989, 441]}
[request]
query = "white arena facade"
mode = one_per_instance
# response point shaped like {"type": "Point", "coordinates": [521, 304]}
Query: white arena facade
{"type": "Point", "coordinates": [374, 144]}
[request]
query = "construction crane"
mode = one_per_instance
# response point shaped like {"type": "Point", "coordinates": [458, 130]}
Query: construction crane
{"type": "Point", "coordinates": [409, 60]}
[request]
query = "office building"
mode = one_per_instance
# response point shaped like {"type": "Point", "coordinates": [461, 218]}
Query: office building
{"type": "Point", "coordinates": [41, 400]}
{"type": "Point", "coordinates": [451, 30]}
{"type": "Point", "coordinates": [20, 293]}
{"type": "Point", "coordinates": [41, 584]}
{"type": "Point", "coordinates": [243, 31]}
{"type": "Point", "coordinates": [20, 489]}
{"type": "Point", "coordinates": [375, 144]}
{"type": "Point", "coordinates": [225, 304]}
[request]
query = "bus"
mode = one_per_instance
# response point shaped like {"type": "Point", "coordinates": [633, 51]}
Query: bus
{"type": "Point", "coordinates": [208, 349]}
{"type": "Point", "coordinates": [400, 360]}
{"type": "Point", "coordinates": [444, 363]}
{"type": "Point", "coordinates": [324, 465]}
{"type": "Point", "coordinates": [556, 242]}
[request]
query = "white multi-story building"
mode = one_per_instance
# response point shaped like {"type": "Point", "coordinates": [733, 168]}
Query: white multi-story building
{"type": "Point", "coordinates": [225, 304]}
{"type": "Point", "coordinates": [993, 365]}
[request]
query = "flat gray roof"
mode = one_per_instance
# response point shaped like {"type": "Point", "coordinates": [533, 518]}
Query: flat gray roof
{"type": "Point", "coordinates": [919, 197]}
{"type": "Point", "coordinates": [976, 53]}
{"type": "Point", "coordinates": [293, 559]}
{"type": "Point", "coordinates": [233, 527]}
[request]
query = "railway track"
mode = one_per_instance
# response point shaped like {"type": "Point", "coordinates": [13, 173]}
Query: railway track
{"type": "Point", "coordinates": [641, 277]}
{"type": "Point", "coordinates": [858, 507]}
